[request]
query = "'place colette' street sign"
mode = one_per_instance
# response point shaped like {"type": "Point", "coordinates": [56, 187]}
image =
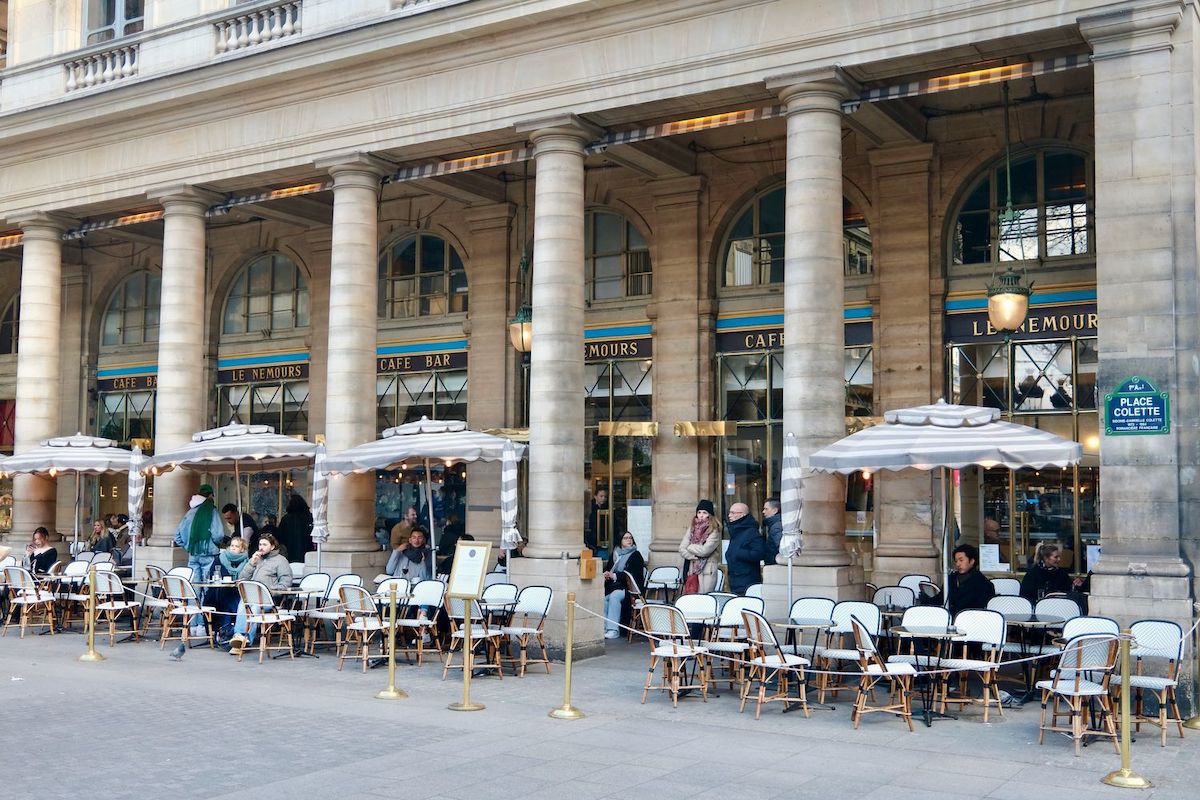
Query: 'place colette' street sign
{"type": "Point", "coordinates": [1136, 407]}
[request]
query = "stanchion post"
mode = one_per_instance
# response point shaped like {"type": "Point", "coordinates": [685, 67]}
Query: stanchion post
{"type": "Point", "coordinates": [1193, 721]}
{"type": "Point", "coordinates": [566, 710]}
{"type": "Point", "coordinates": [391, 692]}
{"type": "Point", "coordinates": [468, 661]}
{"type": "Point", "coordinates": [1125, 777]}
{"type": "Point", "coordinates": [90, 621]}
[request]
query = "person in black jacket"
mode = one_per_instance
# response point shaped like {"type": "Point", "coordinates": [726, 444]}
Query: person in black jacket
{"type": "Point", "coordinates": [295, 530]}
{"type": "Point", "coordinates": [1046, 576]}
{"type": "Point", "coordinates": [625, 558]}
{"type": "Point", "coordinates": [747, 549]}
{"type": "Point", "coordinates": [968, 586]}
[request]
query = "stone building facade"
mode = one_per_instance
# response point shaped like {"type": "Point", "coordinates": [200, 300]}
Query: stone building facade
{"type": "Point", "coordinates": [780, 214]}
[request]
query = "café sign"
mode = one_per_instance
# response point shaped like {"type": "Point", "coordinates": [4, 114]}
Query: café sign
{"type": "Point", "coordinates": [1137, 407]}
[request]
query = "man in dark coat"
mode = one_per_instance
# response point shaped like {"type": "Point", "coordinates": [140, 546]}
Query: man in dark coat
{"type": "Point", "coordinates": [747, 549]}
{"type": "Point", "coordinates": [773, 523]}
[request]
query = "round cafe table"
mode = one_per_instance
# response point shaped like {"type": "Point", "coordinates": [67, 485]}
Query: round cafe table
{"type": "Point", "coordinates": [934, 637]}
{"type": "Point", "coordinates": [1028, 625]}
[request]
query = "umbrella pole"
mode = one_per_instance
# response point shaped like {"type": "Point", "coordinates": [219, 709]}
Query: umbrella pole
{"type": "Point", "coordinates": [947, 510]}
{"type": "Point", "coordinates": [429, 503]}
{"type": "Point", "coordinates": [790, 601]}
{"type": "Point", "coordinates": [78, 500]}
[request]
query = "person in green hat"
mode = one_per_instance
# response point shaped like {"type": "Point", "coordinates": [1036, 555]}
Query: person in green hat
{"type": "Point", "coordinates": [199, 532]}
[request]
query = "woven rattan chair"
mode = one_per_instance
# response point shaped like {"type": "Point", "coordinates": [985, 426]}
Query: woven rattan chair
{"type": "Point", "coordinates": [899, 676]}
{"type": "Point", "coordinates": [684, 664]}
{"type": "Point", "coordinates": [769, 666]}
{"type": "Point", "coordinates": [1081, 680]}
{"type": "Point", "coordinates": [1157, 641]}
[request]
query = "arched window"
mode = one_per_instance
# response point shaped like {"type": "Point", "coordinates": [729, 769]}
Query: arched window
{"type": "Point", "coordinates": [9, 325]}
{"type": "Point", "coordinates": [616, 257]}
{"type": "Point", "coordinates": [1052, 211]}
{"type": "Point", "coordinates": [268, 295]}
{"type": "Point", "coordinates": [421, 276]}
{"type": "Point", "coordinates": [132, 316]}
{"type": "Point", "coordinates": [754, 248]}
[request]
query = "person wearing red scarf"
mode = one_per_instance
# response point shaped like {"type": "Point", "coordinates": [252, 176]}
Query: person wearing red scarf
{"type": "Point", "coordinates": [699, 548]}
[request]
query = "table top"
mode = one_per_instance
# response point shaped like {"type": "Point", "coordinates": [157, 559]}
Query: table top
{"type": "Point", "coordinates": [1033, 620]}
{"type": "Point", "coordinates": [928, 632]}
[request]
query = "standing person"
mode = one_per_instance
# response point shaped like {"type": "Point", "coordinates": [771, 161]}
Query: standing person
{"type": "Point", "coordinates": [39, 555]}
{"type": "Point", "coordinates": [747, 549]}
{"type": "Point", "coordinates": [295, 530]}
{"type": "Point", "coordinates": [412, 561]}
{"type": "Point", "coordinates": [248, 529]}
{"type": "Point", "coordinates": [969, 588]}
{"type": "Point", "coordinates": [699, 550]}
{"type": "Point", "coordinates": [773, 525]}
{"type": "Point", "coordinates": [597, 513]}
{"type": "Point", "coordinates": [199, 531]}
{"type": "Point", "coordinates": [625, 558]}
{"type": "Point", "coordinates": [270, 568]}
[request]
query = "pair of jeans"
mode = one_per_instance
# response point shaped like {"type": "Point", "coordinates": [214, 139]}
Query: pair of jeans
{"type": "Point", "coordinates": [241, 626]}
{"type": "Point", "coordinates": [612, 609]}
{"type": "Point", "coordinates": [201, 566]}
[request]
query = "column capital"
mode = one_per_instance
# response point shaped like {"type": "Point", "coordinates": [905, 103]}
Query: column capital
{"type": "Point", "coordinates": [357, 169]}
{"type": "Point", "coordinates": [1128, 32]}
{"type": "Point", "coordinates": [43, 225]}
{"type": "Point", "coordinates": [560, 127]}
{"type": "Point", "coordinates": [820, 89]}
{"type": "Point", "coordinates": [183, 199]}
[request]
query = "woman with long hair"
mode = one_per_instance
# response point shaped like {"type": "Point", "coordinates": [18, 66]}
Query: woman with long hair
{"type": "Point", "coordinates": [699, 548]}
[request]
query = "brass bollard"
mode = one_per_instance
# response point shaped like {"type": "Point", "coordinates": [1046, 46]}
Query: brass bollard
{"type": "Point", "coordinates": [391, 692]}
{"type": "Point", "coordinates": [90, 620]}
{"type": "Point", "coordinates": [1125, 778]}
{"type": "Point", "coordinates": [468, 661]}
{"type": "Point", "coordinates": [566, 710]}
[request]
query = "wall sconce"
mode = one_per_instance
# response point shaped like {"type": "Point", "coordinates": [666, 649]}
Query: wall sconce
{"type": "Point", "coordinates": [1008, 302]}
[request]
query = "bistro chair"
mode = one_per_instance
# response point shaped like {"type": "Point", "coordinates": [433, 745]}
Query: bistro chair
{"type": "Point", "coordinates": [297, 572]}
{"type": "Point", "coordinates": [636, 603]}
{"type": "Point", "coordinates": [102, 558]}
{"type": "Point", "coordinates": [8, 561]}
{"type": "Point", "coordinates": [153, 600]}
{"type": "Point", "coordinates": [72, 590]}
{"type": "Point", "coordinates": [899, 676]}
{"type": "Point", "coordinates": [722, 598]}
{"type": "Point", "coordinates": [807, 608]}
{"type": "Point", "coordinates": [921, 617]}
{"type": "Point", "coordinates": [1158, 641]}
{"type": "Point", "coordinates": [83, 555]}
{"type": "Point", "coordinates": [383, 594]}
{"type": "Point", "coordinates": [29, 599]}
{"type": "Point", "coordinates": [698, 606]}
{"type": "Point", "coordinates": [483, 637]}
{"type": "Point", "coordinates": [985, 631]}
{"type": "Point", "coordinates": [664, 580]}
{"type": "Point", "coordinates": [1057, 607]}
{"type": "Point", "coordinates": [111, 604]}
{"type": "Point", "coordinates": [684, 664]}
{"type": "Point", "coordinates": [719, 586]}
{"type": "Point", "coordinates": [728, 638]}
{"type": "Point", "coordinates": [182, 605]}
{"type": "Point", "coordinates": [361, 624]}
{"type": "Point", "coordinates": [493, 578]}
{"type": "Point", "coordinates": [768, 665]}
{"type": "Point", "coordinates": [499, 593]}
{"type": "Point", "coordinates": [313, 586]}
{"type": "Point", "coordinates": [1078, 626]}
{"type": "Point", "coordinates": [913, 582]}
{"type": "Point", "coordinates": [754, 590]}
{"type": "Point", "coordinates": [262, 611]}
{"type": "Point", "coordinates": [1006, 586]}
{"type": "Point", "coordinates": [834, 652]}
{"type": "Point", "coordinates": [869, 590]}
{"type": "Point", "coordinates": [328, 613]}
{"type": "Point", "coordinates": [424, 603]}
{"type": "Point", "coordinates": [894, 597]}
{"type": "Point", "coordinates": [1079, 685]}
{"type": "Point", "coordinates": [525, 626]}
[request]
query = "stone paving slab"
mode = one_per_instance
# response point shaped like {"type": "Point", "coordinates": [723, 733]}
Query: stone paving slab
{"type": "Point", "coordinates": [209, 727]}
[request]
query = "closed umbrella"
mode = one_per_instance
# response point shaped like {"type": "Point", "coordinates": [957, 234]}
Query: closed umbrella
{"type": "Point", "coordinates": [510, 537]}
{"type": "Point", "coordinates": [136, 492]}
{"type": "Point", "coordinates": [78, 454]}
{"type": "Point", "coordinates": [946, 436]}
{"type": "Point", "coordinates": [425, 440]}
{"type": "Point", "coordinates": [320, 503]}
{"type": "Point", "coordinates": [791, 500]}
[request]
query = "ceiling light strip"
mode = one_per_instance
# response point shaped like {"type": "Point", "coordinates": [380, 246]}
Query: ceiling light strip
{"type": "Point", "coordinates": [271, 194]}
{"type": "Point", "coordinates": [685, 126]}
{"type": "Point", "coordinates": [13, 239]}
{"type": "Point", "coordinates": [467, 164]}
{"type": "Point", "coordinates": [965, 80]}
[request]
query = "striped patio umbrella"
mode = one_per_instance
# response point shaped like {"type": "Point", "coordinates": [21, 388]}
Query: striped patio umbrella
{"type": "Point", "coordinates": [136, 493]}
{"type": "Point", "coordinates": [320, 503]}
{"type": "Point", "coordinates": [791, 497]}
{"type": "Point", "coordinates": [510, 537]}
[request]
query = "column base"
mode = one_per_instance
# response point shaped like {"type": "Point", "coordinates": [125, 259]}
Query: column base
{"type": "Point", "coordinates": [365, 564]}
{"type": "Point", "coordinates": [889, 568]}
{"type": "Point", "coordinates": [836, 583]}
{"type": "Point", "coordinates": [562, 576]}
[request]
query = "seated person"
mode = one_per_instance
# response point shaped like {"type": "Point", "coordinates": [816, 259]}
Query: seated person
{"type": "Point", "coordinates": [446, 548]}
{"type": "Point", "coordinates": [231, 563]}
{"type": "Point", "coordinates": [411, 560]}
{"type": "Point", "coordinates": [1046, 576]}
{"type": "Point", "coordinates": [39, 555]}
{"type": "Point", "coordinates": [269, 567]}
{"type": "Point", "coordinates": [625, 558]}
{"type": "Point", "coordinates": [968, 586]}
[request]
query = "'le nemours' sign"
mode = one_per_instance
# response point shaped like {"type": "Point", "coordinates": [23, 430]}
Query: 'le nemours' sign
{"type": "Point", "coordinates": [1136, 407]}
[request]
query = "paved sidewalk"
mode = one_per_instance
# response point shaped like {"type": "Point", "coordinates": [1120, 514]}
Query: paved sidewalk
{"type": "Point", "coordinates": [140, 725]}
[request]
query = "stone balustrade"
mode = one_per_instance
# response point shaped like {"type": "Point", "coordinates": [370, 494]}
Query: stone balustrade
{"type": "Point", "coordinates": [101, 68]}
{"type": "Point", "coordinates": [258, 27]}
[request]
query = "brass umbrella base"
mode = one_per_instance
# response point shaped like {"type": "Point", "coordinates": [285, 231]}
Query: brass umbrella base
{"type": "Point", "coordinates": [1126, 779]}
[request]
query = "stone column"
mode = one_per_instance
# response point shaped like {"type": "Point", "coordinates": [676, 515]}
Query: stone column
{"type": "Point", "coordinates": [491, 365]}
{"type": "Point", "coordinates": [38, 401]}
{"type": "Point", "coordinates": [903, 335]}
{"type": "Point", "coordinates": [350, 371]}
{"type": "Point", "coordinates": [1146, 279]}
{"type": "Point", "coordinates": [181, 403]}
{"type": "Point", "coordinates": [813, 300]}
{"type": "Point", "coordinates": [556, 381]}
{"type": "Point", "coordinates": [72, 369]}
{"type": "Point", "coordinates": [679, 285]}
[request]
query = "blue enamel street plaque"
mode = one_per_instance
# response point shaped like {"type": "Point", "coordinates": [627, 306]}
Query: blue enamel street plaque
{"type": "Point", "coordinates": [1136, 407]}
